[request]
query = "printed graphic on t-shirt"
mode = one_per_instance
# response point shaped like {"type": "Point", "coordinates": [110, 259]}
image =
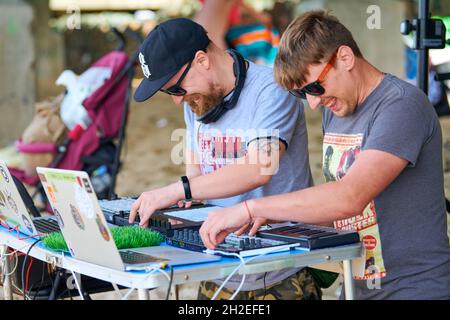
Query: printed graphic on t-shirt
{"type": "Point", "coordinates": [216, 151]}
{"type": "Point", "coordinates": [339, 153]}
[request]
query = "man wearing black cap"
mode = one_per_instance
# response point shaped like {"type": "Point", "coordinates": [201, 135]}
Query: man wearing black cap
{"type": "Point", "coordinates": [246, 138]}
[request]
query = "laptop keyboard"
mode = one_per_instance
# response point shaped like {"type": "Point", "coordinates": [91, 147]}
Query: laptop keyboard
{"type": "Point", "coordinates": [46, 225]}
{"type": "Point", "coordinates": [133, 257]}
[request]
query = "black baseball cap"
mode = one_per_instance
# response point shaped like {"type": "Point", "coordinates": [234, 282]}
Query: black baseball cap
{"type": "Point", "coordinates": [168, 47]}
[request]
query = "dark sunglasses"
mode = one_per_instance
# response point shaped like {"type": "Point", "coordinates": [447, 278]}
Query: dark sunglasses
{"type": "Point", "coordinates": [176, 89]}
{"type": "Point", "coordinates": [315, 88]}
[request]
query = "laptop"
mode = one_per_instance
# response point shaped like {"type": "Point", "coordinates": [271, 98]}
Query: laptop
{"type": "Point", "coordinates": [87, 233]}
{"type": "Point", "coordinates": [16, 207]}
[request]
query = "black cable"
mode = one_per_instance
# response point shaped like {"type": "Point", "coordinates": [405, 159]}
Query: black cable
{"type": "Point", "coordinates": [170, 283]}
{"type": "Point", "coordinates": [265, 288]}
{"type": "Point", "coordinates": [66, 290]}
{"type": "Point", "coordinates": [62, 293]}
{"type": "Point", "coordinates": [42, 282]}
{"type": "Point", "coordinates": [23, 267]}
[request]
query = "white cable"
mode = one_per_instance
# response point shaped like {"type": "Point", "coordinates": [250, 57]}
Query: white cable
{"type": "Point", "coordinates": [77, 285]}
{"type": "Point", "coordinates": [239, 288]}
{"type": "Point", "coordinates": [15, 251]}
{"type": "Point", "coordinates": [231, 274]}
{"type": "Point", "coordinates": [151, 271]}
{"type": "Point", "coordinates": [275, 249]}
{"type": "Point", "coordinates": [163, 272]}
{"type": "Point", "coordinates": [20, 291]}
{"type": "Point", "coordinates": [4, 257]}
{"type": "Point", "coordinates": [63, 259]}
{"type": "Point", "coordinates": [116, 289]}
{"type": "Point", "coordinates": [125, 297]}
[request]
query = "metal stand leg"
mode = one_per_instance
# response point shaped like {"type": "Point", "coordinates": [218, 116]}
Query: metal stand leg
{"type": "Point", "coordinates": [7, 287]}
{"type": "Point", "coordinates": [79, 287]}
{"type": "Point", "coordinates": [349, 285]}
{"type": "Point", "coordinates": [143, 294]}
{"type": "Point", "coordinates": [177, 292]}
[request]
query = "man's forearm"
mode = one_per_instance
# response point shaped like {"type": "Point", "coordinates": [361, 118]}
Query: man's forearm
{"type": "Point", "coordinates": [228, 181]}
{"type": "Point", "coordinates": [253, 170]}
{"type": "Point", "coordinates": [321, 204]}
{"type": "Point", "coordinates": [371, 173]}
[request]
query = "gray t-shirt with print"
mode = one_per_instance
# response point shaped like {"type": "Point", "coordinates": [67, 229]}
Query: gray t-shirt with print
{"type": "Point", "coordinates": [263, 110]}
{"type": "Point", "coordinates": [404, 229]}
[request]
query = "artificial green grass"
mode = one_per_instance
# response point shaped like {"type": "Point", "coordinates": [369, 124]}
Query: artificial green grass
{"type": "Point", "coordinates": [55, 241]}
{"type": "Point", "coordinates": [124, 237]}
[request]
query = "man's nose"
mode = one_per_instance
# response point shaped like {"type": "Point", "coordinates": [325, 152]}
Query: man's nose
{"type": "Point", "coordinates": [313, 101]}
{"type": "Point", "coordinates": [177, 99]}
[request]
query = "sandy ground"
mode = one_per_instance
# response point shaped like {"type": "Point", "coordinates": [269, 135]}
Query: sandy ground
{"type": "Point", "coordinates": [146, 156]}
{"type": "Point", "coordinates": [147, 163]}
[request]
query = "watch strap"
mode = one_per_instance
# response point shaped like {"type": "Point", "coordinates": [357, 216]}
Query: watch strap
{"type": "Point", "coordinates": [187, 188]}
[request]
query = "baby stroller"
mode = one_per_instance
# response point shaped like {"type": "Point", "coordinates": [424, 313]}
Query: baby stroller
{"type": "Point", "coordinates": [95, 146]}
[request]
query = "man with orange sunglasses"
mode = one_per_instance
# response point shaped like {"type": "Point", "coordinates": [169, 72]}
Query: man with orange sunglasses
{"type": "Point", "coordinates": [383, 163]}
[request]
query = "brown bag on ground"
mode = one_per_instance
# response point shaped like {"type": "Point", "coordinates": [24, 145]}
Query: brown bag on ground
{"type": "Point", "coordinates": [46, 127]}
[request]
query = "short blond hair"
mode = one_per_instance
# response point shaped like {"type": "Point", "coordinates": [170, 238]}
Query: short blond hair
{"type": "Point", "coordinates": [311, 38]}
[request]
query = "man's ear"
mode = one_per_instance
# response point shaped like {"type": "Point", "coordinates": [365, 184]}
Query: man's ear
{"type": "Point", "coordinates": [202, 59]}
{"type": "Point", "coordinates": [346, 57]}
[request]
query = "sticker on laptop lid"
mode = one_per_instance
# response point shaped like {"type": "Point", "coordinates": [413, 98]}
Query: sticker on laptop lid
{"type": "Point", "coordinates": [51, 193]}
{"type": "Point", "coordinates": [76, 216]}
{"type": "Point", "coordinates": [4, 174]}
{"type": "Point", "coordinates": [27, 224]}
{"type": "Point", "coordinates": [103, 229]}
{"type": "Point", "coordinates": [61, 176]}
{"type": "Point", "coordinates": [87, 186]}
{"type": "Point", "coordinates": [83, 202]}
{"type": "Point", "coordinates": [55, 189]}
{"type": "Point", "coordinates": [58, 218]}
{"type": "Point", "coordinates": [11, 202]}
{"type": "Point", "coordinates": [2, 199]}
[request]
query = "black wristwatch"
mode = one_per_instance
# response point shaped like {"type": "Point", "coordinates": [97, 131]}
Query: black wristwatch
{"type": "Point", "coordinates": [187, 188]}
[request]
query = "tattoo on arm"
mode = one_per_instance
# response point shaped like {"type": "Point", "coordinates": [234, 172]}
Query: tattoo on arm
{"type": "Point", "coordinates": [268, 145]}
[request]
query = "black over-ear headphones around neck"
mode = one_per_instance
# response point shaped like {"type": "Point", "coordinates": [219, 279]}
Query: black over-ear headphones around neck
{"type": "Point", "coordinates": [240, 71]}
